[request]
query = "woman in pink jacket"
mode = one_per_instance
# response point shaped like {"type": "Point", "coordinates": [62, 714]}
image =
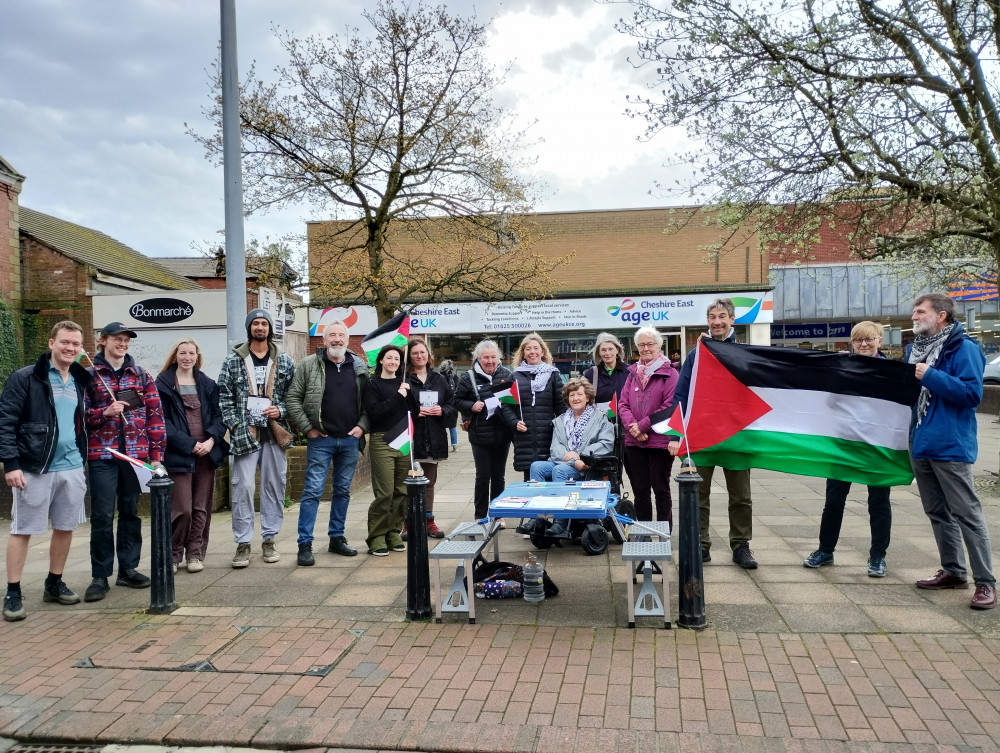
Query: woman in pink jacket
{"type": "Point", "coordinates": [648, 388]}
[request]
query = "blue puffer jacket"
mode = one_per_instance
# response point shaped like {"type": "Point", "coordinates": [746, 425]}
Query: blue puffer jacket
{"type": "Point", "coordinates": [948, 431]}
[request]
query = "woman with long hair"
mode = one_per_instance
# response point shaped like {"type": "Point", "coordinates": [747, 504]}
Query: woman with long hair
{"type": "Point", "coordinates": [540, 388]}
{"type": "Point", "coordinates": [431, 399]}
{"type": "Point", "coordinates": [387, 403]}
{"type": "Point", "coordinates": [196, 446]}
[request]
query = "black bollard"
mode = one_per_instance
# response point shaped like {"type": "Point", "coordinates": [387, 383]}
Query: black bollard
{"type": "Point", "coordinates": [418, 578]}
{"type": "Point", "coordinates": [161, 594]}
{"type": "Point", "coordinates": [691, 594]}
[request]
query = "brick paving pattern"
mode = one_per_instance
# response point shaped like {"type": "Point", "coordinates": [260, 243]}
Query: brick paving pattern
{"type": "Point", "coordinates": [793, 660]}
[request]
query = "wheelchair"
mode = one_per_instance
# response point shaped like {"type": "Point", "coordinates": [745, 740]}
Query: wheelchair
{"type": "Point", "coordinates": [592, 536]}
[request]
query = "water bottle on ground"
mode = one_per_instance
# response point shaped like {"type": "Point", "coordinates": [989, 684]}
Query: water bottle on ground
{"type": "Point", "coordinates": [534, 588]}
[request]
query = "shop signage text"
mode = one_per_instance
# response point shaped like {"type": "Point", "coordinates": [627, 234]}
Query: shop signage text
{"type": "Point", "coordinates": [160, 310]}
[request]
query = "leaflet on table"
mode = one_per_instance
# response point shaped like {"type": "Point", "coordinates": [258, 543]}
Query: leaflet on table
{"type": "Point", "coordinates": [555, 502]}
{"type": "Point", "coordinates": [593, 484]}
{"type": "Point", "coordinates": [510, 502]}
{"type": "Point", "coordinates": [590, 504]}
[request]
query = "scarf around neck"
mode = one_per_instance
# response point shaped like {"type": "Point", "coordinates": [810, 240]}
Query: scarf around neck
{"type": "Point", "coordinates": [926, 349]}
{"type": "Point", "coordinates": [645, 371]}
{"type": "Point", "coordinates": [539, 374]}
{"type": "Point", "coordinates": [575, 427]}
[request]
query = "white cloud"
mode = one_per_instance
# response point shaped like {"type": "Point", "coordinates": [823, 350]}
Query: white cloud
{"type": "Point", "coordinates": [95, 96]}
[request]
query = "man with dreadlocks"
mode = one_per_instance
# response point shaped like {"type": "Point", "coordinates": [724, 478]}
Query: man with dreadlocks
{"type": "Point", "coordinates": [943, 446]}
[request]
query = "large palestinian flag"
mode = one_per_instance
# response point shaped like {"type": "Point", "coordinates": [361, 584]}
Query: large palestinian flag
{"type": "Point", "coordinates": [800, 411]}
{"type": "Point", "coordinates": [396, 331]}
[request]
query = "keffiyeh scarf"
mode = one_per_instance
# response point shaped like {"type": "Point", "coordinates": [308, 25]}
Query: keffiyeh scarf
{"type": "Point", "coordinates": [575, 428]}
{"type": "Point", "coordinates": [926, 350]}
{"type": "Point", "coordinates": [539, 374]}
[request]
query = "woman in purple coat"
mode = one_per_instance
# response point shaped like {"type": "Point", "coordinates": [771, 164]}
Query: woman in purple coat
{"type": "Point", "coordinates": [648, 388]}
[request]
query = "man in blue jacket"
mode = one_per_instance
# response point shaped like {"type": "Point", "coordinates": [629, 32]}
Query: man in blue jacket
{"type": "Point", "coordinates": [943, 446]}
{"type": "Point", "coordinates": [43, 443]}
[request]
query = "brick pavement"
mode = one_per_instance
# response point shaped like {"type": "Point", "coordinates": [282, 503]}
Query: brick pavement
{"type": "Point", "coordinates": [793, 660]}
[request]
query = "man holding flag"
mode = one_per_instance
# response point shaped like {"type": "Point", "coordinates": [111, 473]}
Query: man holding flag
{"type": "Point", "coordinates": [44, 468]}
{"type": "Point", "coordinates": [123, 414]}
{"type": "Point", "coordinates": [721, 315]}
{"type": "Point", "coordinates": [943, 446]}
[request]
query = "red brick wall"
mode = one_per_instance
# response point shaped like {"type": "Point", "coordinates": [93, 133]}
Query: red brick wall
{"type": "Point", "coordinates": [56, 286]}
{"type": "Point", "coordinates": [10, 253]}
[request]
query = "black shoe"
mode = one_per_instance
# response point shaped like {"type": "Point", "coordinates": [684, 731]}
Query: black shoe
{"type": "Point", "coordinates": [306, 558]}
{"type": "Point", "coordinates": [559, 529]}
{"type": "Point", "coordinates": [59, 592]}
{"type": "Point", "coordinates": [706, 556]}
{"type": "Point", "coordinates": [339, 545]}
{"type": "Point", "coordinates": [13, 607]}
{"type": "Point", "coordinates": [97, 589]}
{"type": "Point", "coordinates": [743, 557]}
{"type": "Point", "coordinates": [132, 578]}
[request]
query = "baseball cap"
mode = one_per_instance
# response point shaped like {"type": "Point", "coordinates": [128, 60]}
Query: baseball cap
{"type": "Point", "coordinates": [117, 328]}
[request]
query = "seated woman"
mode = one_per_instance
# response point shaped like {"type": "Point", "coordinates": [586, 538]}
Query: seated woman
{"type": "Point", "coordinates": [581, 430]}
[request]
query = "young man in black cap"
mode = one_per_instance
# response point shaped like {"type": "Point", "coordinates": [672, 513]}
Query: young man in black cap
{"type": "Point", "coordinates": [123, 414]}
{"type": "Point", "coordinates": [43, 443]}
{"type": "Point", "coordinates": [252, 386]}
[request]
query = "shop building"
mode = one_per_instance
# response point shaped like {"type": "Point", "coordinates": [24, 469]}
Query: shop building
{"type": "Point", "coordinates": [628, 268]}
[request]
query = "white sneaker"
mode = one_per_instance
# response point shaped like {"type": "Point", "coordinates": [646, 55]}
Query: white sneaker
{"type": "Point", "coordinates": [195, 565]}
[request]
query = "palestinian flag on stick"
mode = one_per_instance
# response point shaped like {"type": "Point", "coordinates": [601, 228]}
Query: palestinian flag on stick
{"type": "Point", "coordinates": [398, 437]}
{"type": "Point", "coordinates": [510, 395]}
{"type": "Point", "coordinates": [799, 411]}
{"type": "Point", "coordinates": [396, 331]}
{"type": "Point", "coordinates": [143, 471]}
{"type": "Point", "coordinates": [610, 408]}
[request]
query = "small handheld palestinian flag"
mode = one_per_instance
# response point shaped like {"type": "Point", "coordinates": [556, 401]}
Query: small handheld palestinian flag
{"type": "Point", "coordinates": [396, 331]}
{"type": "Point", "coordinates": [610, 409]}
{"type": "Point", "coordinates": [510, 396]}
{"type": "Point", "coordinates": [665, 422]}
{"type": "Point", "coordinates": [398, 437]}
{"type": "Point", "coordinates": [143, 471]}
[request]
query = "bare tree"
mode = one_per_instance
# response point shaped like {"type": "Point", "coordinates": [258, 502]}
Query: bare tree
{"type": "Point", "coordinates": [877, 115]}
{"type": "Point", "coordinates": [398, 125]}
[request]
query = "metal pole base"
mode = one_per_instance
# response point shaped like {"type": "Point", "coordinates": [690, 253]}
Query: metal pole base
{"type": "Point", "coordinates": [691, 586]}
{"type": "Point", "coordinates": [418, 579]}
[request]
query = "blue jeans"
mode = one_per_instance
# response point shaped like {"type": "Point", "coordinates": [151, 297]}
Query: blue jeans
{"type": "Point", "coordinates": [546, 470]}
{"type": "Point", "coordinates": [320, 453]}
{"type": "Point", "coordinates": [454, 436]}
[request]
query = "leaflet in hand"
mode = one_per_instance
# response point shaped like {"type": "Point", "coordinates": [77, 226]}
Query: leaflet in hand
{"type": "Point", "coordinates": [255, 410]}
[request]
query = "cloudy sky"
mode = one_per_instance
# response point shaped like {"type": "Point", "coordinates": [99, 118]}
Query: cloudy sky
{"type": "Point", "coordinates": [95, 95]}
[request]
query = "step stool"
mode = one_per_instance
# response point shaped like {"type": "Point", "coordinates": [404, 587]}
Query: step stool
{"type": "Point", "coordinates": [648, 603]}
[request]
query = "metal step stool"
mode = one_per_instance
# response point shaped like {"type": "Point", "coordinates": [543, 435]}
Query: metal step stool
{"type": "Point", "coordinates": [648, 603]}
{"type": "Point", "coordinates": [458, 598]}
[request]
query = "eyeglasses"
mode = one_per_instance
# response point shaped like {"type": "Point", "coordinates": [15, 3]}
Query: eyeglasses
{"type": "Point", "coordinates": [864, 341]}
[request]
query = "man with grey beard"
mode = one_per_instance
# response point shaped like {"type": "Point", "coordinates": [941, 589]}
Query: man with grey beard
{"type": "Point", "coordinates": [325, 404]}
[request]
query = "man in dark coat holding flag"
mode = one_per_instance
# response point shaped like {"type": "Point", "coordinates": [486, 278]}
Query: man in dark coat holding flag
{"type": "Point", "coordinates": [943, 446]}
{"type": "Point", "coordinates": [721, 315]}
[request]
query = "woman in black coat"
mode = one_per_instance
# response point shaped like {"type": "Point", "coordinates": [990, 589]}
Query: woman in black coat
{"type": "Point", "coordinates": [608, 375]}
{"type": "Point", "coordinates": [196, 446]}
{"type": "Point", "coordinates": [489, 434]}
{"type": "Point", "coordinates": [539, 387]}
{"type": "Point", "coordinates": [432, 408]}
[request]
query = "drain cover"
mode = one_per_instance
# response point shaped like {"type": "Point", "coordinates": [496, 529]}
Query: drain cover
{"type": "Point", "coordinates": [42, 748]}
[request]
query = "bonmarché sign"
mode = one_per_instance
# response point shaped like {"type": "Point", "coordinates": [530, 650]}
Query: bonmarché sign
{"type": "Point", "coordinates": [161, 310]}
